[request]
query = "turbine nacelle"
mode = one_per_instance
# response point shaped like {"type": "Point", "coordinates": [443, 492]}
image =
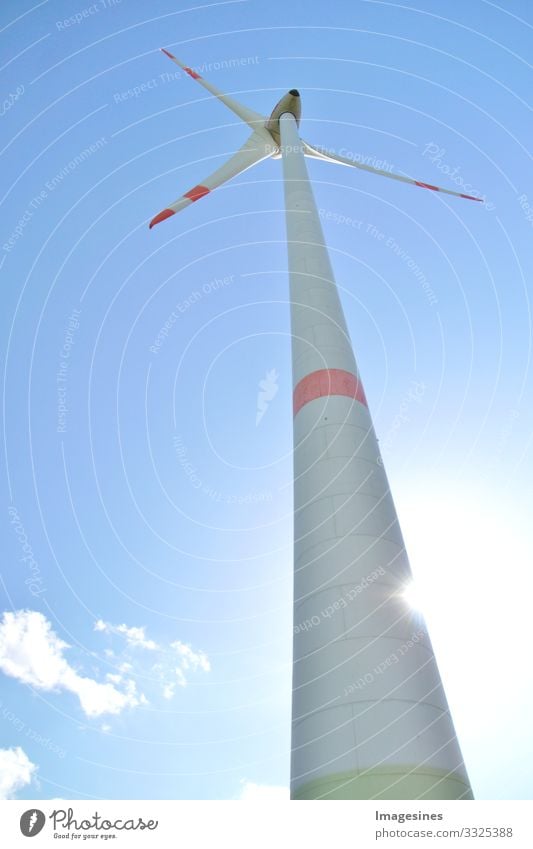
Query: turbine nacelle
{"type": "Point", "coordinates": [291, 103]}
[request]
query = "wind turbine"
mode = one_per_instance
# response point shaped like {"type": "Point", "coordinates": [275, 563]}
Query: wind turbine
{"type": "Point", "coordinates": [370, 718]}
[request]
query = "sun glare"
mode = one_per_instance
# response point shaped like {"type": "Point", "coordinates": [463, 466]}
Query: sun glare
{"type": "Point", "coordinates": [412, 594]}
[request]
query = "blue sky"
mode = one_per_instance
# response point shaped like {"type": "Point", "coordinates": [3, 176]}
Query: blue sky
{"type": "Point", "coordinates": [146, 522]}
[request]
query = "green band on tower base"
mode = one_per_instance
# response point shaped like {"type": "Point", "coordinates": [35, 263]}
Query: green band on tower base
{"type": "Point", "coordinates": [386, 783]}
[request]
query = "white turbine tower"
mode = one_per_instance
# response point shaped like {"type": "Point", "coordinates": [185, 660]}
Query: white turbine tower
{"type": "Point", "coordinates": [370, 718]}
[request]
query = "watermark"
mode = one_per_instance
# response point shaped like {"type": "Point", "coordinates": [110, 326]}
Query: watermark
{"type": "Point", "coordinates": [362, 159]}
{"type": "Point", "coordinates": [11, 99]}
{"type": "Point", "coordinates": [359, 158]}
{"type": "Point", "coordinates": [415, 394]}
{"type": "Point", "coordinates": [352, 156]}
{"type": "Point", "coordinates": [187, 467]}
{"type": "Point", "coordinates": [96, 826]}
{"type": "Point", "coordinates": [338, 218]}
{"type": "Point", "coordinates": [436, 155]}
{"type": "Point", "coordinates": [24, 220]}
{"type": "Point", "coordinates": [388, 241]}
{"type": "Point", "coordinates": [50, 186]}
{"type": "Point", "coordinates": [78, 17]}
{"type": "Point", "coordinates": [74, 163]}
{"type": "Point", "coordinates": [506, 431]}
{"type": "Point", "coordinates": [34, 581]}
{"type": "Point", "coordinates": [401, 818]}
{"type": "Point", "coordinates": [32, 822]}
{"type": "Point", "coordinates": [184, 306]}
{"type": "Point", "coordinates": [211, 492]}
{"type": "Point", "coordinates": [223, 64]}
{"type": "Point", "coordinates": [527, 208]}
{"type": "Point", "coordinates": [402, 254]}
{"type": "Point", "coordinates": [167, 77]}
{"type": "Point", "coordinates": [268, 389]}
{"type": "Point", "coordinates": [63, 369]}
{"type": "Point", "coordinates": [10, 716]}
{"type": "Point", "coordinates": [290, 148]}
{"type": "Point", "coordinates": [342, 602]}
{"type": "Point", "coordinates": [391, 659]}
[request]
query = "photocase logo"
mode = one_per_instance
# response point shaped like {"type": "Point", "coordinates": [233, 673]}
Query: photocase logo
{"type": "Point", "coordinates": [32, 822]}
{"type": "Point", "coordinates": [268, 389]}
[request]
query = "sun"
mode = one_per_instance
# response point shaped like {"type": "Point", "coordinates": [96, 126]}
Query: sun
{"type": "Point", "coordinates": [412, 593]}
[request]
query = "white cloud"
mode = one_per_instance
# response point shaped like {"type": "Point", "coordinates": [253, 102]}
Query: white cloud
{"type": "Point", "coordinates": [16, 770]}
{"type": "Point", "coordinates": [135, 637]}
{"type": "Point", "coordinates": [263, 792]}
{"type": "Point", "coordinates": [191, 659]}
{"type": "Point", "coordinates": [169, 690]}
{"type": "Point", "coordinates": [172, 676]}
{"type": "Point", "coordinates": [182, 681]}
{"type": "Point", "coordinates": [32, 653]}
{"type": "Point", "coordinates": [169, 685]}
{"type": "Point", "coordinates": [164, 670]}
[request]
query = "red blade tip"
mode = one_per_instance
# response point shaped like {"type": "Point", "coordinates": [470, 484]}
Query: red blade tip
{"type": "Point", "coordinates": [166, 213]}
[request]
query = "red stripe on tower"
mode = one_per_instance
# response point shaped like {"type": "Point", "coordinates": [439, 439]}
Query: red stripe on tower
{"type": "Point", "coordinates": [197, 193]}
{"type": "Point", "coordinates": [333, 381]}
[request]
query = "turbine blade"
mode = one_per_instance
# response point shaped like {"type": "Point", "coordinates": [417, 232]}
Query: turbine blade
{"type": "Point", "coordinates": [253, 119]}
{"type": "Point", "coordinates": [258, 146]}
{"type": "Point", "coordinates": [318, 153]}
